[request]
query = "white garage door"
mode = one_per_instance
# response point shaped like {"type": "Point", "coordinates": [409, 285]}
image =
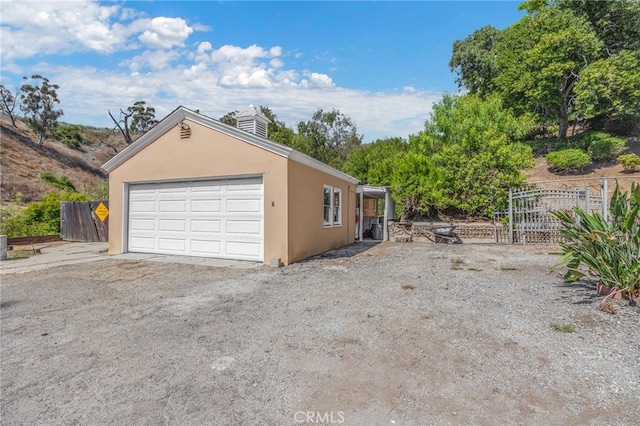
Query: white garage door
{"type": "Point", "coordinates": [215, 218]}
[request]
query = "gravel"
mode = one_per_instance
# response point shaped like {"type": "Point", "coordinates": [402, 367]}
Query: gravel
{"type": "Point", "coordinates": [391, 334]}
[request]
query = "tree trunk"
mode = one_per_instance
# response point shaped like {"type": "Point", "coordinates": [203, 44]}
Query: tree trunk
{"type": "Point", "coordinates": [40, 138]}
{"type": "Point", "coordinates": [564, 121]}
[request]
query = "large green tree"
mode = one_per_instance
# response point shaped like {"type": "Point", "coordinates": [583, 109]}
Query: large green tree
{"type": "Point", "coordinates": [611, 86]}
{"type": "Point", "coordinates": [38, 102]}
{"type": "Point", "coordinates": [329, 137]}
{"type": "Point", "coordinates": [465, 160]}
{"type": "Point", "coordinates": [474, 60]}
{"type": "Point", "coordinates": [540, 59]}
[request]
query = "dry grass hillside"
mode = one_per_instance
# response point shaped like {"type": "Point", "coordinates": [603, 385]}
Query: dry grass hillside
{"type": "Point", "coordinates": [22, 161]}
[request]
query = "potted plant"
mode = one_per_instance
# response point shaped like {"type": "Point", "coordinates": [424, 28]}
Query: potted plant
{"type": "Point", "coordinates": [608, 251]}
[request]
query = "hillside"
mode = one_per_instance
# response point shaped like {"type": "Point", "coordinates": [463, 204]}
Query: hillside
{"type": "Point", "coordinates": [543, 177]}
{"type": "Point", "coordinates": [22, 161]}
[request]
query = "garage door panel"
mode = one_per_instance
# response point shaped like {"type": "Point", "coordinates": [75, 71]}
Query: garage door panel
{"type": "Point", "coordinates": [142, 206]}
{"type": "Point", "coordinates": [217, 218]}
{"type": "Point", "coordinates": [206, 186]}
{"type": "Point", "coordinates": [172, 206]}
{"type": "Point", "coordinates": [205, 247]}
{"type": "Point", "coordinates": [205, 225]}
{"type": "Point", "coordinates": [243, 249]}
{"type": "Point", "coordinates": [172, 225]}
{"type": "Point", "coordinates": [176, 245]}
{"type": "Point", "coordinates": [251, 227]}
{"type": "Point", "coordinates": [243, 205]}
{"type": "Point", "coordinates": [143, 224]}
{"type": "Point", "coordinates": [141, 243]}
{"type": "Point", "coordinates": [172, 187]}
{"type": "Point", "coordinates": [206, 206]}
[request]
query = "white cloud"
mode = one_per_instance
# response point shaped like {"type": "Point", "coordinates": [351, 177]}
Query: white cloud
{"type": "Point", "coordinates": [377, 114]}
{"type": "Point", "coordinates": [164, 33]}
{"type": "Point", "coordinates": [32, 28]}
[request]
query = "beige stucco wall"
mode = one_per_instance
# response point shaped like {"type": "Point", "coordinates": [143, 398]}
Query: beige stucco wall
{"type": "Point", "coordinates": [293, 192]}
{"type": "Point", "coordinates": [307, 233]}
{"type": "Point", "coordinates": [206, 154]}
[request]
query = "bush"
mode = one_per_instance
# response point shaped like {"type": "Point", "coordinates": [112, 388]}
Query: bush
{"type": "Point", "coordinates": [603, 147]}
{"type": "Point", "coordinates": [59, 181]}
{"type": "Point", "coordinates": [39, 218]}
{"type": "Point", "coordinates": [606, 250]}
{"type": "Point", "coordinates": [568, 160]}
{"type": "Point", "coordinates": [630, 162]}
{"type": "Point", "coordinates": [69, 134]}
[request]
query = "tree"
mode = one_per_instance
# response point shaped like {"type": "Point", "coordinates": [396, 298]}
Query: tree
{"type": "Point", "coordinates": [329, 137]}
{"type": "Point", "coordinates": [8, 103]}
{"type": "Point", "coordinates": [610, 86]}
{"type": "Point", "coordinates": [474, 60]}
{"type": "Point", "coordinates": [374, 163]}
{"type": "Point", "coordinates": [468, 157]}
{"type": "Point", "coordinates": [38, 102]}
{"type": "Point", "coordinates": [142, 117]}
{"type": "Point", "coordinates": [616, 23]}
{"type": "Point", "coordinates": [540, 59]}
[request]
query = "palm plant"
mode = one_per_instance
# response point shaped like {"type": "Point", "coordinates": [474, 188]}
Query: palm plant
{"type": "Point", "coordinates": [606, 250]}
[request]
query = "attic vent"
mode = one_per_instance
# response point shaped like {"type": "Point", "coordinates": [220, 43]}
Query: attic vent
{"type": "Point", "coordinates": [185, 130]}
{"type": "Point", "coordinates": [253, 121]}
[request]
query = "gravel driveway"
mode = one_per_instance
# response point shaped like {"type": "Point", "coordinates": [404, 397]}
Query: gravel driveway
{"type": "Point", "coordinates": [392, 334]}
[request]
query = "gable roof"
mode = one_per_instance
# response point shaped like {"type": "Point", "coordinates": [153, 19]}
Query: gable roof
{"type": "Point", "coordinates": [181, 113]}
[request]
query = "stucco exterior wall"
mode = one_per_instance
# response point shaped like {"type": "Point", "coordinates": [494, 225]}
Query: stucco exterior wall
{"type": "Point", "coordinates": [307, 233]}
{"type": "Point", "coordinates": [206, 154]}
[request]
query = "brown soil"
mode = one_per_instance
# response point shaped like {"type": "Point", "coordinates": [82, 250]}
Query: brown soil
{"type": "Point", "coordinates": [543, 177]}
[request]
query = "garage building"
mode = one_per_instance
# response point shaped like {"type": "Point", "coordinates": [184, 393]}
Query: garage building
{"type": "Point", "coordinates": [195, 186]}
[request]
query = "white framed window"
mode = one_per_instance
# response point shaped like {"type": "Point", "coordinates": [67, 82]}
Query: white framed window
{"type": "Point", "coordinates": [332, 206]}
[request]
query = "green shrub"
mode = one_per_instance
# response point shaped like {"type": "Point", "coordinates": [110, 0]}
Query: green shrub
{"type": "Point", "coordinates": [602, 146]}
{"type": "Point", "coordinates": [41, 217]}
{"type": "Point", "coordinates": [630, 162]}
{"type": "Point", "coordinates": [69, 134]}
{"type": "Point", "coordinates": [568, 160]}
{"type": "Point", "coordinates": [606, 250]}
{"type": "Point", "coordinates": [59, 181]}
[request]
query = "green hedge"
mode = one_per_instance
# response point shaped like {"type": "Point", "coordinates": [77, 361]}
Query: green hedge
{"type": "Point", "coordinates": [568, 160]}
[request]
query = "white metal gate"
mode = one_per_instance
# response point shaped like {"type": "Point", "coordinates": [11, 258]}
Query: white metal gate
{"type": "Point", "coordinates": [529, 220]}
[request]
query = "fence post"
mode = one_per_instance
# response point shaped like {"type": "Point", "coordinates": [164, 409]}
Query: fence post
{"type": "Point", "coordinates": [510, 216]}
{"type": "Point", "coordinates": [604, 195]}
{"type": "Point", "coordinates": [587, 200]}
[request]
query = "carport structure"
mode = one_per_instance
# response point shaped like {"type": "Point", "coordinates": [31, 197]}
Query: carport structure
{"type": "Point", "coordinates": [375, 208]}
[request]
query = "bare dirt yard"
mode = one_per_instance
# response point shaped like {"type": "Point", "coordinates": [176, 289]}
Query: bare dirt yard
{"type": "Point", "coordinates": [392, 334]}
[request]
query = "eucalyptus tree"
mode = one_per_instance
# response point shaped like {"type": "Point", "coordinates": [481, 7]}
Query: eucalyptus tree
{"type": "Point", "coordinates": [8, 103]}
{"type": "Point", "coordinates": [38, 102]}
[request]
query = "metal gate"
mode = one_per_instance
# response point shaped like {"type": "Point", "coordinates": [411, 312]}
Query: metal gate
{"type": "Point", "coordinates": [529, 220]}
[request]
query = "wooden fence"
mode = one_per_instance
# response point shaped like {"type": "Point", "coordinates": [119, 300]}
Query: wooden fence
{"type": "Point", "coordinates": [79, 222]}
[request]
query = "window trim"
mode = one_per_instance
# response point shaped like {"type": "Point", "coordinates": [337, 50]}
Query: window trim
{"type": "Point", "coordinates": [332, 220]}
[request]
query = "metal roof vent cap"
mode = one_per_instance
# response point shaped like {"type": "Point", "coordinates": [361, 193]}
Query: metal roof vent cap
{"type": "Point", "coordinates": [253, 121]}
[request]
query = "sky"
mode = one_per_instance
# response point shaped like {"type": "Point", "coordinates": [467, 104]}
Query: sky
{"type": "Point", "coordinates": [383, 64]}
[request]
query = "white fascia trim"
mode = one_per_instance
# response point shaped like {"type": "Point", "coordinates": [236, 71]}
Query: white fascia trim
{"type": "Point", "coordinates": [301, 158]}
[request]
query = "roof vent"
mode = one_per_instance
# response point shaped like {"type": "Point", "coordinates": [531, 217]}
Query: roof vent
{"type": "Point", "coordinates": [253, 121]}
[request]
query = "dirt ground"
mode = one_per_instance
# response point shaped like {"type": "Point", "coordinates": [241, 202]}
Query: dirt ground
{"type": "Point", "coordinates": [391, 334]}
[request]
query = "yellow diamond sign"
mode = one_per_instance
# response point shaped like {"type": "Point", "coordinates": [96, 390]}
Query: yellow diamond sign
{"type": "Point", "coordinates": [102, 211]}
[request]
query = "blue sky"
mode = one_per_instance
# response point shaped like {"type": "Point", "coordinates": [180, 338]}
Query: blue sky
{"type": "Point", "coordinates": [383, 64]}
